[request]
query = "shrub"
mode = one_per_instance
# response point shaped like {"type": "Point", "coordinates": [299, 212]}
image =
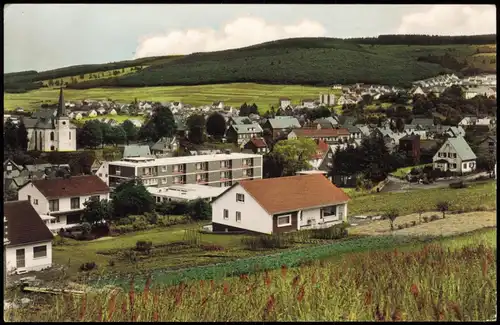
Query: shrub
{"type": "Point", "coordinates": [334, 232]}
{"type": "Point", "coordinates": [151, 217]}
{"type": "Point", "coordinates": [212, 247]}
{"type": "Point", "coordinates": [140, 224]}
{"type": "Point", "coordinates": [58, 241]}
{"type": "Point", "coordinates": [261, 242]}
{"type": "Point", "coordinates": [415, 171]}
{"type": "Point", "coordinates": [391, 215]}
{"type": "Point", "coordinates": [407, 225]}
{"type": "Point", "coordinates": [413, 223]}
{"type": "Point", "coordinates": [89, 266]}
{"type": "Point", "coordinates": [443, 206]}
{"type": "Point", "coordinates": [124, 229]}
{"type": "Point", "coordinates": [434, 217]}
{"type": "Point", "coordinates": [426, 219]}
{"type": "Point", "coordinates": [143, 246]}
{"type": "Point", "coordinates": [166, 221]}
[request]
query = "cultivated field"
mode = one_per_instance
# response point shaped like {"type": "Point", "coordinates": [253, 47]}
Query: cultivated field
{"type": "Point", "coordinates": [235, 94]}
{"type": "Point", "coordinates": [448, 280]}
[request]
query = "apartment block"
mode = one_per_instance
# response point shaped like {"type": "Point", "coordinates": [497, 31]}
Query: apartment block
{"type": "Point", "coordinates": [220, 170]}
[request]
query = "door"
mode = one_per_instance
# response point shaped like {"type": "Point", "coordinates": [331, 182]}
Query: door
{"type": "Point", "coordinates": [20, 258]}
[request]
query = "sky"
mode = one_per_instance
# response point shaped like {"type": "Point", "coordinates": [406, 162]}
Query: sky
{"type": "Point", "coordinates": [48, 36]}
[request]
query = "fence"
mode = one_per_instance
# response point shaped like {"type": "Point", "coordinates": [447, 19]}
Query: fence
{"type": "Point", "coordinates": [251, 265]}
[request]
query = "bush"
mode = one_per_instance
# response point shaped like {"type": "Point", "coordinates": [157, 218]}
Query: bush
{"type": "Point", "coordinates": [89, 266]}
{"type": "Point", "coordinates": [426, 219]}
{"type": "Point", "coordinates": [459, 184]}
{"type": "Point", "coordinates": [400, 227]}
{"type": "Point", "coordinates": [111, 263]}
{"type": "Point", "coordinates": [166, 221]}
{"type": "Point", "coordinates": [151, 217]}
{"type": "Point", "coordinates": [144, 246]}
{"type": "Point", "coordinates": [261, 242]}
{"type": "Point", "coordinates": [124, 229]}
{"type": "Point", "coordinates": [58, 241]}
{"type": "Point", "coordinates": [434, 217]}
{"type": "Point", "coordinates": [212, 247]}
{"type": "Point", "coordinates": [413, 223]}
{"type": "Point", "coordinates": [415, 171]}
{"type": "Point", "coordinates": [334, 232]}
{"type": "Point", "coordinates": [173, 207]}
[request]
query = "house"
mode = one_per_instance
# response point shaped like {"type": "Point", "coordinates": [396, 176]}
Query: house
{"type": "Point", "coordinates": [417, 91]}
{"type": "Point", "coordinates": [328, 135]}
{"type": "Point", "coordinates": [365, 130]}
{"type": "Point", "coordinates": [165, 146]}
{"type": "Point", "coordinates": [327, 122]}
{"type": "Point", "coordinates": [481, 90]}
{"type": "Point", "coordinates": [410, 145]}
{"type": "Point", "coordinates": [135, 150]}
{"type": "Point", "coordinates": [454, 131]}
{"type": "Point", "coordinates": [318, 157]}
{"type": "Point", "coordinates": [284, 102]}
{"type": "Point", "coordinates": [101, 111]}
{"type": "Point", "coordinates": [412, 129]}
{"type": "Point", "coordinates": [112, 111]}
{"type": "Point", "coordinates": [468, 121]}
{"type": "Point", "coordinates": [242, 133]}
{"type": "Point", "coordinates": [484, 121]}
{"type": "Point", "coordinates": [327, 99]}
{"type": "Point", "coordinates": [308, 103]}
{"type": "Point", "coordinates": [103, 171]}
{"type": "Point", "coordinates": [455, 155]}
{"type": "Point", "coordinates": [277, 205]}
{"type": "Point", "coordinates": [257, 146]}
{"type": "Point", "coordinates": [218, 105]}
{"type": "Point", "coordinates": [238, 120]}
{"type": "Point", "coordinates": [423, 123]}
{"type": "Point", "coordinates": [63, 198]}
{"type": "Point", "coordinates": [29, 245]}
{"type": "Point", "coordinates": [51, 130]}
{"type": "Point", "coordinates": [279, 125]}
{"type": "Point", "coordinates": [354, 132]}
{"type": "Point", "coordinates": [487, 147]}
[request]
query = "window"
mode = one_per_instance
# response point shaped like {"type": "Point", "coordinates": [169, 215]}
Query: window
{"type": "Point", "coordinates": [329, 211]}
{"type": "Point", "coordinates": [225, 214]}
{"type": "Point", "coordinates": [29, 198]}
{"type": "Point", "coordinates": [147, 171]}
{"type": "Point", "coordinates": [9, 168]}
{"type": "Point", "coordinates": [39, 251]}
{"type": "Point", "coordinates": [464, 165]}
{"type": "Point", "coordinates": [69, 133]}
{"type": "Point", "coordinates": [100, 174]}
{"type": "Point", "coordinates": [238, 216]}
{"type": "Point", "coordinates": [285, 220]}
{"type": "Point", "coordinates": [227, 184]}
{"type": "Point", "coordinates": [75, 203]}
{"type": "Point", "coordinates": [198, 166]}
{"type": "Point", "coordinates": [471, 165]}
{"type": "Point", "coordinates": [178, 168]}
{"type": "Point", "coordinates": [330, 155]}
{"type": "Point", "coordinates": [449, 154]}
{"type": "Point", "coordinates": [164, 169]}
{"type": "Point", "coordinates": [94, 198]}
{"type": "Point", "coordinates": [240, 197]}
{"type": "Point", "coordinates": [223, 164]}
{"type": "Point", "coordinates": [164, 181]}
{"type": "Point", "coordinates": [453, 165]}
{"type": "Point", "coordinates": [454, 155]}
{"type": "Point", "coordinates": [52, 148]}
{"type": "Point", "coordinates": [53, 205]}
{"type": "Point", "coordinates": [51, 136]}
{"type": "Point", "coordinates": [117, 171]}
{"type": "Point", "coordinates": [35, 201]}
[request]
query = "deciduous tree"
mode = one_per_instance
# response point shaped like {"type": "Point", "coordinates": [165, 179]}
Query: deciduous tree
{"type": "Point", "coordinates": [196, 127]}
{"type": "Point", "coordinates": [216, 125]}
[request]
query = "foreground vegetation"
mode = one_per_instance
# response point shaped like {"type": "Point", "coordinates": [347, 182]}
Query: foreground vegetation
{"type": "Point", "coordinates": [451, 279]}
{"type": "Point", "coordinates": [235, 94]}
{"type": "Point", "coordinates": [480, 196]}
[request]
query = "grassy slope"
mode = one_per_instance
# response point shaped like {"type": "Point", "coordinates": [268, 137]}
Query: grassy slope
{"type": "Point", "coordinates": [348, 287]}
{"type": "Point", "coordinates": [232, 94]}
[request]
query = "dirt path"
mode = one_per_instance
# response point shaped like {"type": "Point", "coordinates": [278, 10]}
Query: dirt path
{"type": "Point", "coordinates": [453, 224]}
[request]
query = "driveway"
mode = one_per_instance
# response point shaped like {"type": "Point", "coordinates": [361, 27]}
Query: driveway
{"type": "Point", "coordinates": [397, 185]}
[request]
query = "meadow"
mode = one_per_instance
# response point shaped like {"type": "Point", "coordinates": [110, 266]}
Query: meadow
{"type": "Point", "coordinates": [448, 279]}
{"type": "Point", "coordinates": [89, 76]}
{"type": "Point", "coordinates": [402, 172]}
{"type": "Point", "coordinates": [478, 196]}
{"type": "Point", "coordinates": [233, 94]}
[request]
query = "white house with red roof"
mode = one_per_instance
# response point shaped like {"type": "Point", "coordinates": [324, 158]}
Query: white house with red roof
{"type": "Point", "coordinates": [60, 201]}
{"type": "Point", "coordinates": [282, 204]}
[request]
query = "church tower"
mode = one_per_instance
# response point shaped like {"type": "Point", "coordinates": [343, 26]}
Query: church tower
{"type": "Point", "coordinates": [65, 132]}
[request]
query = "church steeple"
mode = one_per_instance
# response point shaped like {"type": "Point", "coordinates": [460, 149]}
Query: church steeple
{"type": "Point", "coordinates": [61, 108]}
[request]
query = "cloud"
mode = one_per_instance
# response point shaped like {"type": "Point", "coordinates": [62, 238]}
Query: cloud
{"type": "Point", "coordinates": [450, 20]}
{"type": "Point", "coordinates": [244, 31]}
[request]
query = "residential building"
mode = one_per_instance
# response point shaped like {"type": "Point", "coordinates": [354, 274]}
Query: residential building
{"type": "Point", "coordinates": [319, 156]}
{"type": "Point", "coordinates": [308, 103]}
{"type": "Point", "coordinates": [103, 171]}
{"type": "Point", "coordinates": [454, 131]}
{"type": "Point", "coordinates": [238, 120]}
{"type": "Point", "coordinates": [284, 102]}
{"type": "Point", "coordinates": [410, 145]}
{"type": "Point", "coordinates": [240, 134]}
{"type": "Point", "coordinates": [165, 146]}
{"type": "Point", "coordinates": [487, 147]}
{"type": "Point", "coordinates": [29, 241]}
{"type": "Point", "coordinates": [218, 105]}
{"type": "Point", "coordinates": [327, 99]}
{"type": "Point", "coordinates": [63, 198]}
{"type": "Point", "coordinates": [327, 135]}
{"type": "Point", "coordinates": [468, 121]}
{"type": "Point", "coordinates": [455, 155]}
{"type": "Point", "coordinates": [135, 150]}
{"type": "Point", "coordinates": [280, 125]}
{"type": "Point", "coordinates": [257, 146]}
{"type": "Point", "coordinates": [480, 90]}
{"type": "Point", "coordinates": [185, 192]}
{"type": "Point", "coordinates": [215, 170]}
{"type": "Point", "coordinates": [50, 130]}
{"type": "Point", "coordinates": [283, 204]}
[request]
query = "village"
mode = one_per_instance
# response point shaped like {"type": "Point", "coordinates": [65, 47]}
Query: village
{"type": "Point", "coordinates": [225, 175]}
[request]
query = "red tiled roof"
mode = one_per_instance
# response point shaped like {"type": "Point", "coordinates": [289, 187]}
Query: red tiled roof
{"type": "Point", "coordinates": [259, 142]}
{"type": "Point", "coordinates": [24, 224]}
{"type": "Point", "coordinates": [73, 186]}
{"type": "Point", "coordinates": [321, 149]}
{"type": "Point", "coordinates": [284, 194]}
{"type": "Point", "coordinates": [316, 133]}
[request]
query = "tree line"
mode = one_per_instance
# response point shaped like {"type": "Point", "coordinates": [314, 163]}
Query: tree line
{"type": "Point", "coordinates": [426, 40]}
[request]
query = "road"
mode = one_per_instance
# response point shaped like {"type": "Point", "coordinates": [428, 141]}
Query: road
{"type": "Point", "coordinates": [398, 185]}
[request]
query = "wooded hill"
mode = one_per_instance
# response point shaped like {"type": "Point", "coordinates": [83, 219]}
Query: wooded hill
{"type": "Point", "coordinates": [387, 59]}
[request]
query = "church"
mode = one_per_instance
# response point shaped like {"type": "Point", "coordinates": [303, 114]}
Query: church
{"type": "Point", "coordinates": [51, 130]}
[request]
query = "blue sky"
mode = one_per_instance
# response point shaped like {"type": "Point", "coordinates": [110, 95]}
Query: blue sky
{"type": "Point", "coordinates": [48, 36]}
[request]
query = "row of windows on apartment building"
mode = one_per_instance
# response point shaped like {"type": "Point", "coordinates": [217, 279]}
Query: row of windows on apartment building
{"type": "Point", "coordinates": [200, 178]}
{"type": "Point", "coordinates": [54, 204]}
{"type": "Point", "coordinates": [182, 167]}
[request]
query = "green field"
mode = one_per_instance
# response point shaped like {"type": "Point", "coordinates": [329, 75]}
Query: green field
{"type": "Point", "coordinates": [402, 172]}
{"type": "Point", "coordinates": [87, 76]}
{"type": "Point", "coordinates": [447, 279]}
{"type": "Point", "coordinates": [475, 197]}
{"type": "Point", "coordinates": [234, 94]}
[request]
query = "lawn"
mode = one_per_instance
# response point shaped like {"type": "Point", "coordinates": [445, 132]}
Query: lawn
{"type": "Point", "coordinates": [476, 196]}
{"type": "Point", "coordinates": [233, 94]}
{"type": "Point", "coordinates": [402, 172]}
{"type": "Point", "coordinates": [423, 283]}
